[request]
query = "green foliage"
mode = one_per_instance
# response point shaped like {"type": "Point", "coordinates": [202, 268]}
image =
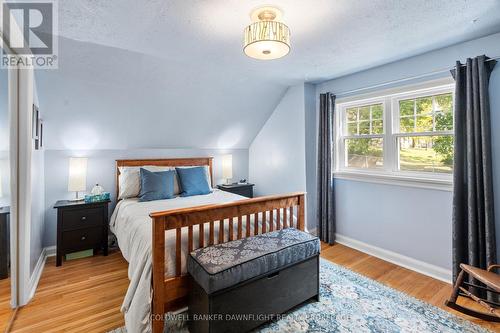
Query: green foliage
{"type": "Point", "coordinates": [443, 145]}
{"type": "Point", "coordinates": [366, 147]}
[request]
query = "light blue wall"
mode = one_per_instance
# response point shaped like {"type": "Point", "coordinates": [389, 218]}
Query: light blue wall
{"type": "Point", "coordinates": [101, 169]}
{"type": "Point", "coordinates": [282, 156]}
{"type": "Point", "coordinates": [4, 140]}
{"type": "Point", "coordinates": [413, 222]}
{"type": "Point", "coordinates": [104, 97]}
{"type": "Point", "coordinates": [277, 154]}
{"type": "Point", "coordinates": [495, 126]}
{"type": "Point", "coordinates": [311, 160]}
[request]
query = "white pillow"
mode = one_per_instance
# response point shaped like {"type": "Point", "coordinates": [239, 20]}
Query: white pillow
{"type": "Point", "coordinates": [129, 180]}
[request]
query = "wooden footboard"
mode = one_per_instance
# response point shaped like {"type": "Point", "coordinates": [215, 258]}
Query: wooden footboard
{"type": "Point", "coordinates": [267, 214]}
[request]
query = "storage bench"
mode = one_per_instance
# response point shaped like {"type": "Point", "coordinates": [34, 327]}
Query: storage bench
{"type": "Point", "coordinates": [239, 285]}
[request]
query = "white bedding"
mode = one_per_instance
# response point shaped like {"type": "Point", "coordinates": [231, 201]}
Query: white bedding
{"type": "Point", "coordinates": [131, 224]}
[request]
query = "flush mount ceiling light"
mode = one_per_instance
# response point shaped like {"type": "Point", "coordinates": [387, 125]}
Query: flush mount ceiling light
{"type": "Point", "coordinates": [266, 37]}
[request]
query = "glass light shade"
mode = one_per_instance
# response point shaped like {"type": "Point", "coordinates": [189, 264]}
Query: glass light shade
{"type": "Point", "coordinates": [77, 180]}
{"type": "Point", "coordinates": [266, 40]}
{"type": "Point", "coordinates": [227, 166]}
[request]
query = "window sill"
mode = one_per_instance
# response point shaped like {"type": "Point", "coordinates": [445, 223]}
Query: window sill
{"type": "Point", "coordinates": [418, 181]}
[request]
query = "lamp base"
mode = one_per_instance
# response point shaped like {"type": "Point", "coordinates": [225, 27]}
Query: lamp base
{"type": "Point", "coordinates": [76, 198]}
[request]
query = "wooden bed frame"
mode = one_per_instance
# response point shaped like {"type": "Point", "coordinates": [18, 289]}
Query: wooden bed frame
{"type": "Point", "coordinates": [170, 293]}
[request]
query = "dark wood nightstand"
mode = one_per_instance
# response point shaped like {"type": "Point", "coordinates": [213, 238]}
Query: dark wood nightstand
{"type": "Point", "coordinates": [81, 226]}
{"type": "Point", "coordinates": [245, 190]}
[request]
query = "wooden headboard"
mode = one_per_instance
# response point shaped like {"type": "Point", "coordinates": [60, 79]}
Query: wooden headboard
{"type": "Point", "coordinates": [171, 162]}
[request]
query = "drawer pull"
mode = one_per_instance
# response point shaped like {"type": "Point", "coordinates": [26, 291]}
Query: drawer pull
{"type": "Point", "coordinates": [83, 238]}
{"type": "Point", "coordinates": [84, 218]}
{"type": "Point", "coordinates": [273, 275]}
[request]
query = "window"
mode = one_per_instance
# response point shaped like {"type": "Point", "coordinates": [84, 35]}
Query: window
{"type": "Point", "coordinates": [364, 140]}
{"type": "Point", "coordinates": [405, 134]}
{"type": "Point", "coordinates": [425, 133]}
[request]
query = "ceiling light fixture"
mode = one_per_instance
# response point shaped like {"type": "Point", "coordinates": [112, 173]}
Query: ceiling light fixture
{"type": "Point", "coordinates": [266, 37]}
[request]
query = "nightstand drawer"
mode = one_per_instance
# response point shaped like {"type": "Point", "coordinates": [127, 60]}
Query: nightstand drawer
{"type": "Point", "coordinates": [243, 191]}
{"type": "Point", "coordinates": [82, 239]}
{"type": "Point", "coordinates": [82, 218]}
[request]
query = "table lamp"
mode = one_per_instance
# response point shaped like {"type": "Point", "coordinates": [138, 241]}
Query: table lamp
{"type": "Point", "coordinates": [227, 167]}
{"type": "Point", "coordinates": [77, 180]}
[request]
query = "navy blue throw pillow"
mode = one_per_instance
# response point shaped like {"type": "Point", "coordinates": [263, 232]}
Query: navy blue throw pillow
{"type": "Point", "coordinates": [156, 185]}
{"type": "Point", "coordinates": [193, 181]}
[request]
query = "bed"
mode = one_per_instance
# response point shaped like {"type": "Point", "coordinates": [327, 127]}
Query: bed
{"type": "Point", "coordinates": [155, 238]}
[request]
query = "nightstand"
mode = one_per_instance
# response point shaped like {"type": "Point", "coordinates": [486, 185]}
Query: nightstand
{"type": "Point", "coordinates": [245, 190]}
{"type": "Point", "coordinates": [81, 226]}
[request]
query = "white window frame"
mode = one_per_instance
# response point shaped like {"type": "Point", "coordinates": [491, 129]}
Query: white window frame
{"type": "Point", "coordinates": [390, 173]}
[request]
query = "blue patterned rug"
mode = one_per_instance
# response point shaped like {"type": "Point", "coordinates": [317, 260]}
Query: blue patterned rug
{"type": "Point", "coordinates": [353, 303]}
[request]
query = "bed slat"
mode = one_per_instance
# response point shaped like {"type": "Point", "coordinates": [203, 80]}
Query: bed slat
{"type": "Point", "coordinates": [278, 219]}
{"type": "Point", "coordinates": [291, 217]}
{"type": "Point", "coordinates": [190, 239]}
{"type": "Point", "coordinates": [231, 229]}
{"type": "Point", "coordinates": [271, 220]}
{"type": "Point", "coordinates": [211, 237]}
{"type": "Point", "coordinates": [264, 222]}
{"type": "Point", "coordinates": [256, 223]}
{"type": "Point", "coordinates": [285, 220]}
{"type": "Point", "coordinates": [178, 242]}
{"type": "Point", "coordinates": [249, 226]}
{"type": "Point", "coordinates": [221, 231]}
{"type": "Point", "coordinates": [240, 227]}
{"type": "Point", "coordinates": [201, 235]}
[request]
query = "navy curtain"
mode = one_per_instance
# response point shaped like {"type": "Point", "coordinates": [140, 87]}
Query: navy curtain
{"type": "Point", "coordinates": [473, 214]}
{"type": "Point", "coordinates": [326, 199]}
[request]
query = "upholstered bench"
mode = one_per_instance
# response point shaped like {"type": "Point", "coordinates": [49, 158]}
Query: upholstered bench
{"type": "Point", "coordinates": [239, 285]}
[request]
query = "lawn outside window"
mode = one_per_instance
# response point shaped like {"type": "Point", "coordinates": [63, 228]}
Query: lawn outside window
{"type": "Point", "coordinates": [404, 137]}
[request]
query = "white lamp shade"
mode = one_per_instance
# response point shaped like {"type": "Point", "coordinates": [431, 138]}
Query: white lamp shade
{"type": "Point", "coordinates": [1, 184]}
{"type": "Point", "coordinates": [77, 180]}
{"type": "Point", "coordinates": [227, 166]}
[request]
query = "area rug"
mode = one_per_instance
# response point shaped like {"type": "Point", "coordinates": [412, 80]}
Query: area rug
{"type": "Point", "coordinates": [350, 302]}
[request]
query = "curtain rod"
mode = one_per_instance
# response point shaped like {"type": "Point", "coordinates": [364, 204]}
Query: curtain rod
{"type": "Point", "coordinates": [410, 78]}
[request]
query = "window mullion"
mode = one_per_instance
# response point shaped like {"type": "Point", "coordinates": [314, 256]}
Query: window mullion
{"type": "Point", "coordinates": [357, 120]}
{"type": "Point", "coordinates": [388, 144]}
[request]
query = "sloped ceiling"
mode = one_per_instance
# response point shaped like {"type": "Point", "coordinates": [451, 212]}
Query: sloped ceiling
{"type": "Point", "coordinates": [158, 74]}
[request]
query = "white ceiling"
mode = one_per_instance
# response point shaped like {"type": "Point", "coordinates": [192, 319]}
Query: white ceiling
{"type": "Point", "coordinates": [182, 60]}
{"type": "Point", "coordinates": [330, 38]}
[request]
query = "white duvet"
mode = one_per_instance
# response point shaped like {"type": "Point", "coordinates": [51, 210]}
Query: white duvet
{"type": "Point", "coordinates": [131, 224]}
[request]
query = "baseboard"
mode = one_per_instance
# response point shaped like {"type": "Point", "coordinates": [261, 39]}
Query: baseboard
{"type": "Point", "coordinates": [37, 272]}
{"type": "Point", "coordinates": [50, 251]}
{"type": "Point", "coordinates": [312, 231]}
{"type": "Point", "coordinates": [433, 271]}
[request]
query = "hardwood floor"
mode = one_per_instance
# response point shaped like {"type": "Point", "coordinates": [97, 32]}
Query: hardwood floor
{"type": "Point", "coordinates": [412, 283]}
{"type": "Point", "coordinates": [85, 295]}
{"type": "Point", "coordinates": [5, 311]}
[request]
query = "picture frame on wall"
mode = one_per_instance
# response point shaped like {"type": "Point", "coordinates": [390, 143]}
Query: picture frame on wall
{"type": "Point", "coordinates": [37, 130]}
{"type": "Point", "coordinates": [34, 123]}
{"type": "Point", "coordinates": [40, 139]}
